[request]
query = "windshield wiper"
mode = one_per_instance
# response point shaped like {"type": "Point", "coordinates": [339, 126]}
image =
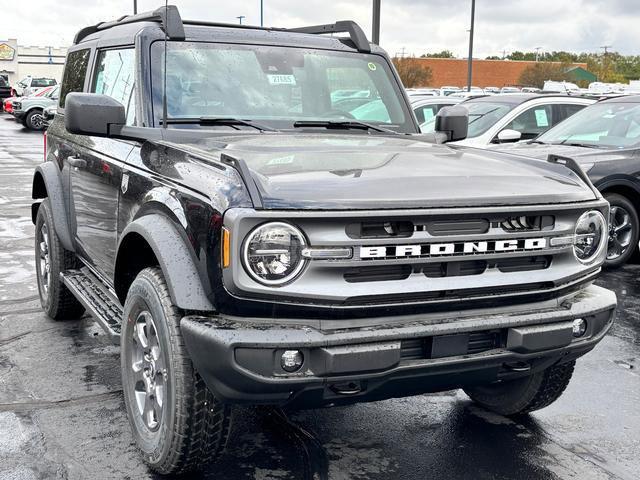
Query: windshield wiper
{"type": "Point", "coordinates": [231, 122]}
{"type": "Point", "coordinates": [578, 144]}
{"type": "Point", "coordinates": [342, 125]}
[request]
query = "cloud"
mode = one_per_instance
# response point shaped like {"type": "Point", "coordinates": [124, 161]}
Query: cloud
{"type": "Point", "coordinates": [418, 26]}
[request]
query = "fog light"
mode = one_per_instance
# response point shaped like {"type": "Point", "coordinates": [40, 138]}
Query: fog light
{"type": "Point", "coordinates": [579, 327]}
{"type": "Point", "coordinates": [291, 360]}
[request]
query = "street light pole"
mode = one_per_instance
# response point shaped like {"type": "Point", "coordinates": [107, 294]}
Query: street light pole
{"type": "Point", "coordinates": [262, 13]}
{"type": "Point", "coordinates": [470, 60]}
{"type": "Point", "coordinates": [376, 22]}
{"type": "Point", "coordinates": [240, 17]}
{"type": "Point", "coordinates": [135, 6]}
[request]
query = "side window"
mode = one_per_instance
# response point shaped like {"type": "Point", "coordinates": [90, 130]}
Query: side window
{"type": "Point", "coordinates": [532, 122]}
{"type": "Point", "coordinates": [426, 113]}
{"type": "Point", "coordinates": [74, 72]}
{"type": "Point", "coordinates": [563, 111]}
{"type": "Point", "coordinates": [115, 76]}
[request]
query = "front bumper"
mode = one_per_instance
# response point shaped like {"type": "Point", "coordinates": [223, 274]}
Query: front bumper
{"type": "Point", "coordinates": [18, 114]}
{"type": "Point", "coordinates": [239, 358]}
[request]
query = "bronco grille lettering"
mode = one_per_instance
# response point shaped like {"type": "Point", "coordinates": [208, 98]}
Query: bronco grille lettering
{"type": "Point", "coordinates": [453, 248]}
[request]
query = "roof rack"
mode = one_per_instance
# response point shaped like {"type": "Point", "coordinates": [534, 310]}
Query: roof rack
{"type": "Point", "coordinates": [168, 17]}
{"type": "Point", "coordinates": [173, 25]}
{"type": "Point", "coordinates": [356, 34]}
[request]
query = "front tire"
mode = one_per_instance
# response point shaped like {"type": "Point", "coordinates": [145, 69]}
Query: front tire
{"type": "Point", "coordinates": [624, 229]}
{"type": "Point", "coordinates": [524, 395]}
{"type": "Point", "coordinates": [34, 120]}
{"type": "Point", "coordinates": [51, 259]}
{"type": "Point", "coordinates": [177, 422]}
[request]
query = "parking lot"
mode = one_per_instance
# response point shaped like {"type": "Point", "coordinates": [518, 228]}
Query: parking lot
{"type": "Point", "coordinates": [62, 414]}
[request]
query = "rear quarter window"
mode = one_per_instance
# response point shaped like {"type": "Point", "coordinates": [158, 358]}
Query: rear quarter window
{"type": "Point", "coordinates": [75, 71]}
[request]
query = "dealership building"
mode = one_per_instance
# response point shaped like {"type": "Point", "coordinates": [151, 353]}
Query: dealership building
{"type": "Point", "coordinates": [18, 61]}
{"type": "Point", "coordinates": [491, 73]}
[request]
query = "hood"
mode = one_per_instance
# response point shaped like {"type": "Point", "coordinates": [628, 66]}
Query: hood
{"type": "Point", "coordinates": [352, 171]}
{"type": "Point", "coordinates": [583, 155]}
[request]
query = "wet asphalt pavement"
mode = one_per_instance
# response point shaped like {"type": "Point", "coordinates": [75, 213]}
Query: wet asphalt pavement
{"type": "Point", "coordinates": [62, 413]}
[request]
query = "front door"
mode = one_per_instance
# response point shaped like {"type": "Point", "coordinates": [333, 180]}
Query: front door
{"type": "Point", "coordinates": [96, 165]}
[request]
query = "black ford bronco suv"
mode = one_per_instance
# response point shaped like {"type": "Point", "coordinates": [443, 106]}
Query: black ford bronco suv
{"type": "Point", "coordinates": [253, 214]}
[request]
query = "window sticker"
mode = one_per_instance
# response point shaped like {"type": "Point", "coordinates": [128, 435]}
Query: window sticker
{"type": "Point", "coordinates": [372, 66]}
{"type": "Point", "coordinates": [282, 160]}
{"type": "Point", "coordinates": [281, 79]}
{"type": "Point", "coordinates": [428, 114]}
{"type": "Point", "coordinates": [541, 118]}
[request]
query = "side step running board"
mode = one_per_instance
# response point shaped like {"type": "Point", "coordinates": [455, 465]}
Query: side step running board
{"type": "Point", "coordinates": [96, 298]}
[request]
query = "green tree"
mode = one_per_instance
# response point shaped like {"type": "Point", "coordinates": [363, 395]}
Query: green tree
{"type": "Point", "coordinates": [535, 75]}
{"type": "Point", "coordinates": [442, 54]}
{"type": "Point", "coordinates": [412, 72]}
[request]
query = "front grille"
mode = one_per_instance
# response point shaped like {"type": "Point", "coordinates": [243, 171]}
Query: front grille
{"type": "Point", "coordinates": [527, 223]}
{"type": "Point", "coordinates": [432, 258]}
{"type": "Point", "coordinates": [451, 345]}
{"type": "Point", "coordinates": [384, 273]}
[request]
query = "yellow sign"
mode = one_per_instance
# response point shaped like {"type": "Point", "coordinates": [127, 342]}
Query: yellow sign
{"type": "Point", "coordinates": [6, 52]}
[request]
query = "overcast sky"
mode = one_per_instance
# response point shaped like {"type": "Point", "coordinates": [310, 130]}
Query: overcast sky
{"type": "Point", "coordinates": [419, 26]}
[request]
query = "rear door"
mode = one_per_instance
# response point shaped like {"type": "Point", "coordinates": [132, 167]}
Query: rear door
{"type": "Point", "coordinates": [96, 165]}
{"type": "Point", "coordinates": [562, 111]}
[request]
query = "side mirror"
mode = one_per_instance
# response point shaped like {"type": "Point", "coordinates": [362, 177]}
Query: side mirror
{"type": "Point", "coordinates": [92, 114]}
{"type": "Point", "coordinates": [507, 135]}
{"type": "Point", "coordinates": [453, 122]}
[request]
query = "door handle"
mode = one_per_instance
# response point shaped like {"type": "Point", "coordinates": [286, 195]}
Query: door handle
{"type": "Point", "coordinates": [77, 162]}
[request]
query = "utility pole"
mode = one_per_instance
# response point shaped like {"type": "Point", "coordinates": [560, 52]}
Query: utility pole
{"type": "Point", "coordinates": [470, 61]}
{"type": "Point", "coordinates": [376, 22]}
{"type": "Point", "coordinates": [605, 63]}
{"type": "Point", "coordinates": [240, 17]}
{"type": "Point", "coordinates": [537, 49]}
{"type": "Point", "coordinates": [135, 7]}
{"type": "Point", "coordinates": [262, 13]}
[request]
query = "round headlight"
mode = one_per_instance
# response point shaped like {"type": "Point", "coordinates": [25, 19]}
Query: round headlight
{"type": "Point", "coordinates": [590, 236]}
{"type": "Point", "coordinates": [273, 253]}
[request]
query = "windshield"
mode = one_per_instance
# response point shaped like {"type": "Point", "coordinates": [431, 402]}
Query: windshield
{"type": "Point", "coordinates": [606, 125]}
{"type": "Point", "coordinates": [484, 115]}
{"type": "Point", "coordinates": [42, 82]}
{"type": "Point", "coordinates": [277, 86]}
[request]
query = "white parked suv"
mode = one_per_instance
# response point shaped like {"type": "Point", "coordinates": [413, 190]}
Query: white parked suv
{"type": "Point", "coordinates": [508, 118]}
{"type": "Point", "coordinates": [28, 86]}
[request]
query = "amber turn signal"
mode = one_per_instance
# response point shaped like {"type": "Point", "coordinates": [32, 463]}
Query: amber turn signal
{"type": "Point", "coordinates": [226, 248]}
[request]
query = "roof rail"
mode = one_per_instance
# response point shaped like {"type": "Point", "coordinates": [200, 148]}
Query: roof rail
{"type": "Point", "coordinates": [356, 34]}
{"type": "Point", "coordinates": [168, 17]}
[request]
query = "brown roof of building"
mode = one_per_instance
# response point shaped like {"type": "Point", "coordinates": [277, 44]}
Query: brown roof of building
{"type": "Point", "coordinates": [486, 73]}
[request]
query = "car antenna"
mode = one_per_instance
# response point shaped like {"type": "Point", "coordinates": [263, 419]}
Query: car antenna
{"type": "Point", "coordinates": [164, 81]}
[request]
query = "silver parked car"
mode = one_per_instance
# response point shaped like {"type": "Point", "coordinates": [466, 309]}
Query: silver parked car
{"type": "Point", "coordinates": [514, 117]}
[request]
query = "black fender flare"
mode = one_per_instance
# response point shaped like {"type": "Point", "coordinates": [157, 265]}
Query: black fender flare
{"type": "Point", "coordinates": [178, 265]}
{"type": "Point", "coordinates": [52, 178]}
{"type": "Point", "coordinates": [618, 181]}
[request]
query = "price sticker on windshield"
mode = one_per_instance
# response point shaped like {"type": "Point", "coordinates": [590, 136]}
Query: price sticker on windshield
{"type": "Point", "coordinates": [372, 66]}
{"type": "Point", "coordinates": [281, 79]}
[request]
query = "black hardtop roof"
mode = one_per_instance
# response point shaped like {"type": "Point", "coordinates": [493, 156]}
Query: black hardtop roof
{"type": "Point", "coordinates": [167, 21]}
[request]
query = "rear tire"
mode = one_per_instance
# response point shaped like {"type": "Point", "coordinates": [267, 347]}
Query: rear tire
{"type": "Point", "coordinates": [524, 395]}
{"type": "Point", "coordinates": [177, 422]}
{"type": "Point", "coordinates": [51, 259]}
{"type": "Point", "coordinates": [623, 243]}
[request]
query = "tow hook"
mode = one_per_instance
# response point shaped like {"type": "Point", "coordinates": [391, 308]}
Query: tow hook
{"type": "Point", "coordinates": [348, 388]}
{"type": "Point", "coordinates": [517, 366]}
